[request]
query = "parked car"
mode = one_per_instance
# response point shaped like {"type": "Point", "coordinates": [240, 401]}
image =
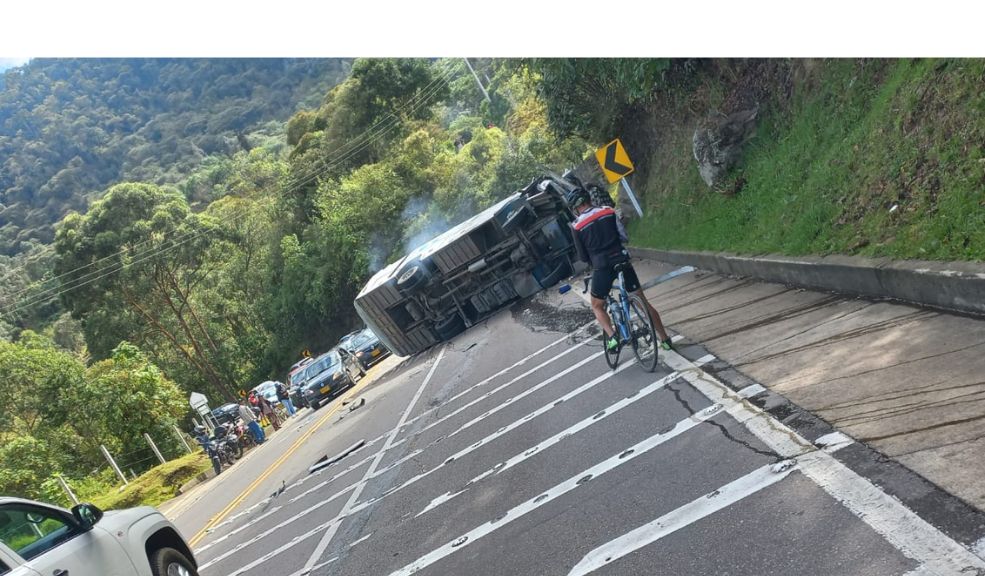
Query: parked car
{"type": "Point", "coordinates": [294, 380]}
{"type": "Point", "coordinates": [343, 340]}
{"type": "Point", "coordinates": [326, 377]}
{"type": "Point", "coordinates": [269, 391]}
{"type": "Point", "coordinates": [512, 250]}
{"type": "Point", "coordinates": [365, 346]}
{"type": "Point", "coordinates": [226, 413]}
{"type": "Point", "coordinates": [38, 538]}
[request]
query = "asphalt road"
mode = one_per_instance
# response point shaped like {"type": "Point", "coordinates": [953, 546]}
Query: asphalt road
{"type": "Point", "coordinates": [515, 450]}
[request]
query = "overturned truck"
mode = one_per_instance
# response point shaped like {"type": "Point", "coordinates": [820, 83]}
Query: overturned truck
{"type": "Point", "coordinates": [509, 251]}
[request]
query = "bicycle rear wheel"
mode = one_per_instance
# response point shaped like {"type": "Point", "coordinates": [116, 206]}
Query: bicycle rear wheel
{"type": "Point", "coordinates": [645, 343]}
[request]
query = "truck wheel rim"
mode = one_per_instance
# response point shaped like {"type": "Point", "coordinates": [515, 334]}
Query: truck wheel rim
{"type": "Point", "coordinates": [407, 275]}
{"type": "Point", "coordinates": [175, 569]}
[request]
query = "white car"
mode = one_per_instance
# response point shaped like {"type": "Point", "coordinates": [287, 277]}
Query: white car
{"type": "Point", "coordinates": [38, 539]}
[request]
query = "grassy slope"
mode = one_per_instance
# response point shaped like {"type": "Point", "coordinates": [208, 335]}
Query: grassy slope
{"type": "Point", "coordinates": [823, 176]}
{"type": "Point", "coordinates": [157, 485]}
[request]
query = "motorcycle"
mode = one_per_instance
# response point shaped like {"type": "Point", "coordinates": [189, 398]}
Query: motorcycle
{"type": "Point", "coordinates": [246, 438]}
{"type": "Point", "coordinates": [228, 443]}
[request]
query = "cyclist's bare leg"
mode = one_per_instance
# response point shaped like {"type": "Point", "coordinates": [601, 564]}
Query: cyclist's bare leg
{"type": "Point", "coordinates": [598, 308]}
{"type": "Point", "coordinates": [658, 324]}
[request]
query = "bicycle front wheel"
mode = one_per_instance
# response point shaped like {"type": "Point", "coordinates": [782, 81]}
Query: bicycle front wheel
{"type": "Point", "coordinates": [611, 356]}
{"type": "Point", "coordinates": [645, 343]}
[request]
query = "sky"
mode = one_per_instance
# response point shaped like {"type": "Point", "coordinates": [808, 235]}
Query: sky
{"type": "Point", "coordinates": [11, 62]}
{"type": "Point", "coordinates": [430, 28]}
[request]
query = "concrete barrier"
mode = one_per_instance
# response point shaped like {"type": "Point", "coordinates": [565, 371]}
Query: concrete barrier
{"type": "Point", "coordinates": [953, 286]}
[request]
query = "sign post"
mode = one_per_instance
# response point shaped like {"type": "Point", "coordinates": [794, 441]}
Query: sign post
{"type": "Point", "coordinates": [616, 165]}
{"type": "Point", "coordinates": [200, 404]}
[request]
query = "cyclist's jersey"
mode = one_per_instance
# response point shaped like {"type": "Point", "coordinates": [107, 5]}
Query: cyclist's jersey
{"type": "Point", "coordinates": [599, 236]}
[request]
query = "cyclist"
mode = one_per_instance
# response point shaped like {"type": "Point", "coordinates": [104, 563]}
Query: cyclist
{"type": "Point", "coordinates": [599, 238]}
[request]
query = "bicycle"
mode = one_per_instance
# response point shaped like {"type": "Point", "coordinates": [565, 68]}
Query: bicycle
{"type": "Point", "coordinates": [631, 320]}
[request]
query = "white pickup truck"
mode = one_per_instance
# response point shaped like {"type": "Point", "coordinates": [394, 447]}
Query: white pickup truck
{"type": "Point", "coordinates": [37, 539]}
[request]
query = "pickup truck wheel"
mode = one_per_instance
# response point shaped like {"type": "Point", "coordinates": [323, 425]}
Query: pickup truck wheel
{"type": "Point", "coordinates": [315, 405]}
{"type": "Point", "coordinates": [170, 562]}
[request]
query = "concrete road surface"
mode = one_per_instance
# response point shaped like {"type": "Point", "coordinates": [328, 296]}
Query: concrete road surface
{"type": "Point", "coordinates": [514, 449]}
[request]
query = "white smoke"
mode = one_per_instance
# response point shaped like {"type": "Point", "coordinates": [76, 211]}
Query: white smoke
{"type": "Point", "coordinates": [421, 224]}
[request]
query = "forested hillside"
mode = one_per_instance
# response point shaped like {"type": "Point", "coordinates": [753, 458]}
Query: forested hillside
{"type": "Point", "coordinates": [71, 127]}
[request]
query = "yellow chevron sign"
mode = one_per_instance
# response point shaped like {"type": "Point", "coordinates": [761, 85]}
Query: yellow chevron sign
{"type": "Point", "coordinates": [614, 161]}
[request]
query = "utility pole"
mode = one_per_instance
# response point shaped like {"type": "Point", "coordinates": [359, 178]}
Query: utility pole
{"type": "Point", "coordinates": [477, 81]}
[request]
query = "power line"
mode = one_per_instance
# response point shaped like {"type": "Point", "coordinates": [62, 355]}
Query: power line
{"type": "Point", "coordinates": [368, 137]}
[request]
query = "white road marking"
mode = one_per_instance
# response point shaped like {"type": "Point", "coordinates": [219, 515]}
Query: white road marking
{"type": "Point", "coordinates": [556, 439]}
{"type": "Point", "coordinates": [684, 516]}
{"type": "Point", "coordinates": [752, 390]}
{"type": "Point", "coordinates": [483, 382]}
{"type": "Point", "coordinates": [284, 547]}
{"type": "Point", "coordinates": [333, 529]}
{"type": "Point", "coordinates": [332, 525]}
{"type": "Point", "coordinates": [361, 483]}
{"type": "Point", "coordinates": [272, 530]}
{"type": "Point", "coordinates": [363, 539]}
{"type": "Point", "coordinates": [979, 548]}
{"type": "Point", "coordinates": [834, 439]}
{"type": "Point", "coordinates": [494, 436]}
{"type": "Point", "coordinates": [371, 457]}
{"type": "Point", "coordinates": [913, 536]}
{"type": "Point", "coordinates": [704, 360]}
{"type": "Point", "coordinates": [500, 388]}
{"type": "Point", "coordinates": [527, 392]}
{"type": "Point", "coordinates": [555, 492]}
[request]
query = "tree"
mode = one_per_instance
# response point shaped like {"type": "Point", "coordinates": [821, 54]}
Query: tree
{"type": "Point", "coordinates": [133, 267]}
{"type": "Point", "coordinates": [587, 96]}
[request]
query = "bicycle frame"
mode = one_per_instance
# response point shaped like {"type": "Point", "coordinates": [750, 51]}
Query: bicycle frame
{"type": "Point", "coordinates": [623, 325]}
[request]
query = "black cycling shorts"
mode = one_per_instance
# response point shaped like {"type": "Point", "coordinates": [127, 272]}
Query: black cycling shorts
{"type": "Point", "coordinates": [604, 278]}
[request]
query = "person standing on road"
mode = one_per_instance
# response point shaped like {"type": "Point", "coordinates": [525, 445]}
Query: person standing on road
{"type": "Point", "coordinates": [267, 409]}
{"type": "Point", "coordinates": [599, 239]}
{"type": "Point", "coordinates": [251, 422]}
{"type": "Point", "coordinates": [285, 398]}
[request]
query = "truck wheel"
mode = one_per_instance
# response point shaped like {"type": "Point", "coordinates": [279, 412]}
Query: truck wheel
{"type": "Point", "coordinates": [315, 405]}
{"type": "Point", "coordinates": [558, 271]}
{"type": "Point", "coordinates": [449, 327]}
{"type": "Point", "coordinates": [170, 562]}
{"type": "Point", "coordinates": [414, 274]}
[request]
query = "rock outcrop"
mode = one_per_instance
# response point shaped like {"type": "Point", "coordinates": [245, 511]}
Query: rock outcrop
{"type": "Point", "coordinates": [718, 143]}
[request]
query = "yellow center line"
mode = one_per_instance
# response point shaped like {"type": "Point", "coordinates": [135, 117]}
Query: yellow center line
{"type": "Point", "coordinates": [271, 469]}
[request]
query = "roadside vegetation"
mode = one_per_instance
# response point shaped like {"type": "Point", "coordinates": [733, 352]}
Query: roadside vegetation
{"type": "Point", "coordinates": [156, 486]}
{"type": "Point", "coordinates": [865, 157]}
{"type": "Point", "coordinates": [218, 281]}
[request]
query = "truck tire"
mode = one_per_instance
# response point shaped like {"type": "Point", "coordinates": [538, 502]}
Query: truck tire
{"type": "Point", "coordinates": [515, 216]}
{"type": "Point", "coordinates": [170, 562]}
{"type": "Point", "coordinates": [555, 272]}
{"type": "Point", "coordinates": [449, 327]}
{"type": "Point", "coordinates": [413, 275]}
